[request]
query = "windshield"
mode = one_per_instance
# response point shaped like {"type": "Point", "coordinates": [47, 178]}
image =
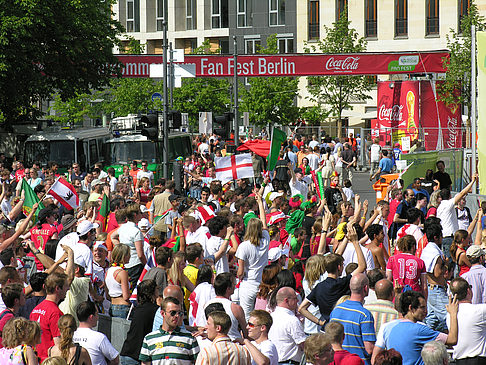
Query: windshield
{"type": "Point", "coordinates": [124, 153]}
{"type": "Point", "coordinates": [44, 151]}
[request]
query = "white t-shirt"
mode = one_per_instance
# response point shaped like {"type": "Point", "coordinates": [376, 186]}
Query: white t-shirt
{"type": "Point", "coordinates": [129, 233]}
{"type": "Point", "coordinates": [349, 255]}
{"type": "Point", "coordinates": [313, 161]}
{"type": "Point", "coordinates": [202, 294]}
{"type": "Point", "coordinates": [113, 182]}
{"type": "Point", "coordinates": [298, 187]}
{"type": "Point", "coordinates": [349, 194]}
{"type": "Point", "coordinates": [97, 345]}
{"type": "Point", "coordinates": [203, 148]}
{"type": "Point", "coordinates": [375, 150]}
{"type": "Point", "coordinates": [268, 349]}
{"type": "Point", "coordinates": [255, 257]}
{"type": "Point", "coordinates": [200, 236]}
{"type": "Point", "coordinates": [148, 174]}
{"type": "Point", "coordinates": [448, 219]}
{"type": "Point", "coordinates": [82, 253]}
{"type": "Point", "coordinates": [213, 244]}
{"type": "Point", "coordinates": [471, 320]}
{"type": "Point", "coordinates": [313, 144]}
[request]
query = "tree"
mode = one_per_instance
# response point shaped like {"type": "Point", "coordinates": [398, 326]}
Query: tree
{"type": "Point", "coordinates": [335, 92]}
{"type": "Point", "coordinates": [57, 46]}
{"type": "Point", "coordinates": [270, 99]}
{"type": "Point", "coordinates": [456, 88]}
{"type": "Point", "coordinates": [201, 94]}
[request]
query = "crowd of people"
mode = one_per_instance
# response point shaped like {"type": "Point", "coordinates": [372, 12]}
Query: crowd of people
{"type": "Point", "coordinates": [269, 270]}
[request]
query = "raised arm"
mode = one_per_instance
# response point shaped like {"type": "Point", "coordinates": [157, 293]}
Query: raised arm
{"type": "Point", "coordinates": [5, 244]}
{"type": "Point", "coordinates": [325, 227]}
{"type": "Point", "coordinates": [261, 209]}
{"type": "Point", "coordinates": [466, 190]}
{"type": "Point", "coordinates": [353, 237]}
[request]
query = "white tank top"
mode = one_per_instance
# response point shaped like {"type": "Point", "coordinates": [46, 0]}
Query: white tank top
{"type": "Point", "coordinates": [113, 286]}
{"type": "Point", "coordinates": [233, 332]}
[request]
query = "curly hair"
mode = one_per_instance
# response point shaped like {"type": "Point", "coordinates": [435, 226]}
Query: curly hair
{"type": "Point", "coordinates": [67, 326]}
{"type": "Point", "coordinates": [20, 331]}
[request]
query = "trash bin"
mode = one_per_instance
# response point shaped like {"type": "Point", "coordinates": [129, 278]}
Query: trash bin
{"type": "Point", "coordinates": [381, 185]}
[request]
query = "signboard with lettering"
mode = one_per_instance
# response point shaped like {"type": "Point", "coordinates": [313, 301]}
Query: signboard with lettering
{"type": "Point", "coordinates": [296, 64]}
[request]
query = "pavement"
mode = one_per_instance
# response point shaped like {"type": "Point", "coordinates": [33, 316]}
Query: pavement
{"type": "Point", "coordinates": [363, 186]}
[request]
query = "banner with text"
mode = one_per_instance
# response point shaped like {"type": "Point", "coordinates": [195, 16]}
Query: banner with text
{"type": "Point", "coordinates": [295, 65]}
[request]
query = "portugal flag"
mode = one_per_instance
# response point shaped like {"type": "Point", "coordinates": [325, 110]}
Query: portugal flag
{"type": "Point", "coordinates": [104, 212]}
{"type": "Point", "coordinates": [278, 138]}
{"type": "Point", "coordinates": [30, 198]}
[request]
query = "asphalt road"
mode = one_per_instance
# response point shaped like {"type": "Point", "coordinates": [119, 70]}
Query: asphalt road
{"type": "Point", "coordinates": [363, 186]}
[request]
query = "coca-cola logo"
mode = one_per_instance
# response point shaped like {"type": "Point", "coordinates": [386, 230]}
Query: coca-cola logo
{"type": "Point", "coordinates": [343, 64]}
{"type": "Point", "coordinates": [453, 132]}
{"type": "Point", "coordinates": [394, 113]}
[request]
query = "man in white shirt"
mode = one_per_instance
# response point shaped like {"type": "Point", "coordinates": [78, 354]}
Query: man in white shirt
{"type": "Point", "coordinates": [375, 155]}
{"type": "Point", "coordinates": [412, 228]}
{"type": "Point", "coordinates": [287, 331]}
{"type": "Point", "coordinates": [196, 233]}
{"type": "Point", "coordinates": [218, 245]}
{"type": "Point", "coordinates": [145, 172]}
{"type": "Point", "coordinates": [447, 214]}
{"type": "Point", "coordinates": [100, 350]}
{"type": "Point", "coordinates": [471, 320]}
{"type": "Point", "coordinates": [476, 276]}
{"type": "Point", "coordinates": [298, 185]}
{"type": "Point", "coordinates": [203, 148]}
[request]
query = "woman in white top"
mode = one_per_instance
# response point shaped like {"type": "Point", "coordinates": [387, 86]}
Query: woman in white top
{"type": "Point", "coordinates": [315, 272]}
{"type": "Point", "coordinates": [328, 165]}
{"type": "Point", "coordinates": [252, 255]}
{"type": "Point", "coordinates": [117, 281]}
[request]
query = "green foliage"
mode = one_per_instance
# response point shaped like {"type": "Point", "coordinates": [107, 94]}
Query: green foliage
{"type": "Point", "coordinates": [202, 94]}
{"type": "Point", "coordinates": [72, 110]}
{"type": "Point", "coordinates": [270, 99]}
{"type": "Point", "coordinates": [456, 88]}
{"type": "Point", "coordinates": [57, 46]}
{"type": "Point", "coordinates": [313, 114]}
{"type": "Point", "coordinates": [335, 92]}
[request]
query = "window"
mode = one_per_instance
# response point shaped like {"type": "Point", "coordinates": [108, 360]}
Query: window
{"type": "Point", "coordinates": [276, 11]}
{"type": "Point", "coordinates": [159, 17]}
{"type": "Point", "coordinates": [432, 10]}
{"type": "Point", "coordinates": [244, 13]}
{"type": "Point", "coordinates": [314, 19]}
{"type": "Point", "coordinates": [286, 45]}
{"type": "Point", "coordinates": [341, 7]}
{"type": "Point", "coordinates": [219, 14]}
{"type": "Point", "coordinates": [252, 45]}
{"type": "Point", "coordinates": [133, 16]}
{"type": "Point", "coordinates": [463, 10]}
{"type": "Point", "coordinates": [401, 21]}
{"type": "Point", "coordinates": [191, 12]}
{"type": "Point", "coordinates": [370, 21]}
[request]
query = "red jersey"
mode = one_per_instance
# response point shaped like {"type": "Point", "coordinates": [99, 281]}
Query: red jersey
{"type": "Point", "coordinates": [393, 209]}
{"type": "Point", "coordinates": [47, 313]}
{"type": "Point", "coordinates": [346, 358]}
{"type": "Point", "coordinates": [144, 194]}
{"type": "Point", "coordinates": [40, 236]}
{"type": "Point", "coordinates": [112, 223]}
{"type": "Point", "coordinates": [407, 269]}
{"type": "Point", "coordinates": [133, 174]}
{"type": "Point", "coordinates": [19, 175]}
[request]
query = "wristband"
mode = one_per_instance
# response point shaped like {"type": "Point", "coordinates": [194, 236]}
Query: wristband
{"type": "Point", "coordinates": [363, 217]}
{"type": "Point", "coordinates": [323, 231]}
{"type": "Point", "coordinates": [263, 185]}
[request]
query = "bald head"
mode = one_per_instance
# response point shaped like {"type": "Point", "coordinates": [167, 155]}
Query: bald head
{"type": "Point", "coordinates": [173, 291]}
{"type": "Point", "coordinates": [384, 289]}
{"type": "Point", "coordinates": [358, 282]}
{"type": "Point", "coordinates": [284, 293]}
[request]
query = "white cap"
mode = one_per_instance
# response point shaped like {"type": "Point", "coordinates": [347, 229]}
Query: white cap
{"type": "Point", "coordinates": [85, 226]}
{"type": "Point", "coordinates": [274, 254]}
{"type": "Point", "coordinates": [274, 196]}
{"type": "Point", "coordinates": [100, 244]}
{"type": "Point", "coordinates": [144, 223]}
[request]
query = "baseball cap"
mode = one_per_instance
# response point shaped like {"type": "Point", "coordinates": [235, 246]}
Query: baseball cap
{"type": "Point", "coordinates": [86, 226]}
{"type": "Point", "coordinates": [274, 196]}
{"type": "Point", "coordinates": [144, 223]}
{"type": "Point", "coordinates": [397, 144]}
{"type": "Point", "coordinates": [475, 251]}
{"type": "Point", "coordinates": [97, 182]}
{"type": "Point", "coordinates": [100, 244]}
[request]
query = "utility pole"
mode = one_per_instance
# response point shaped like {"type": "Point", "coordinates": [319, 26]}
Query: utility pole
{"type": "Point", "coordinates": [235, 89]}
{"type": "Point", "coordinates": [473, 103]}
{"type": "Point", "coordinates": [165, 129]}
{"type": "Point", "coordinates": [171, 77]}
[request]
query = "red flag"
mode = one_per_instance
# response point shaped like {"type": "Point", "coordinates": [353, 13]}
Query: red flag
{"type": "Point", "coordinates": [65, 194]}
{"type": "Point", "coordinates": [103, 212]}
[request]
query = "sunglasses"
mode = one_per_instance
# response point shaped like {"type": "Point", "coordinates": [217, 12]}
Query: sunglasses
{"type": "Point", "coordinates": [252, 325]}
{"type": "Point", "coordinates": [175, 313]}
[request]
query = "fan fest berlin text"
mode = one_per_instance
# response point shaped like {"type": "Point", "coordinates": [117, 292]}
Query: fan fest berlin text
{"type": "Point", "coordinates": [262, 66]}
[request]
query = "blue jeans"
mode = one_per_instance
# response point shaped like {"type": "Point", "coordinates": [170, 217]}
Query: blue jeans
{"type": "Point", "coordinates": [446, 246]}
{"type": "Point", "coordinates": [436, 308]}
{"type": "Point", "coordinates": [195, 192]}
{"type": "Point", "coordinates": [127, 360]}
{"type": "Point", "coordinates": [119, 310]}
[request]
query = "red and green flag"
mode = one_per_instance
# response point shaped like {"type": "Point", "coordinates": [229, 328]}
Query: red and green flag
{"type": "Point", "coordinates": [104, 212]}
{"type": "Point", "coordinates": [30, 198]}
{"type": "Point", "coordinates": [278, 138]}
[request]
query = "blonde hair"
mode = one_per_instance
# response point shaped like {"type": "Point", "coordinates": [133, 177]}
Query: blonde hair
{"type": "Point", "coordinates": [254, 231]}
{"type": "Point", "coordinates": [67, 326]}
{"type": "Point", "coordinates": [174, 273]}
{"type": "Point", "coordinates": [143, 179]}
{"type": "Point", "coordinates": [314, 268]}
{"type": "Point", "coordinates": [56, 360]}
{"type": "Point", "coordinates": [119, 253]}
{"type": "Point", "coordinates": [20, 331]}
{"type": "Point", "coordinates": [342, 300]}
{"type": "Point", "coordinates": [315, 344]}
{"type": "Point", "coordinates": [433, 200]}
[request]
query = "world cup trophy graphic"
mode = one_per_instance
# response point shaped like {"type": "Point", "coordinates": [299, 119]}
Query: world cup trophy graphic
{"type": "Point", "coordinates": [411, 127]}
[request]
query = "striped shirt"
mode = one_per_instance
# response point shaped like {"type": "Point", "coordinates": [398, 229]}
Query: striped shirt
{"type": "Point", "coordinates": [358, 327]}
{"type": "Point", "coordinates": [383, 311]}
{"type": "Point", "coordinates": [163, 348]}
{"type": "Point", "coordinates": [224, 352]}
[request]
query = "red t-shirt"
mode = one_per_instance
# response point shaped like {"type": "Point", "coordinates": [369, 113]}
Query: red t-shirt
{"type": "Point", "coordinates": [19, 175]}
{"type": "Point", "coordinates": [47, 313]}
{"type": "Point", "coordinates": [346, 358]}
{"type": "Point", "coordinates": [407, 269]}
{"type": "Point", "coordinates": [393, 209]}
{"type": "Point", "coordinates": [7, 315]}
{"type": "Point", "coordinates": [40, 237]}
{"type": "Point", "coordinates": [112, 223]}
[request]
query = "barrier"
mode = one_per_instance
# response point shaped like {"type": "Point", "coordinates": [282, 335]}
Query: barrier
{"type": "Point", "coordinates": [114, 328]}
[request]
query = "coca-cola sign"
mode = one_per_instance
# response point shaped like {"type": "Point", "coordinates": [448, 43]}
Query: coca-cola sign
{"type": "Point", "coordinates": [391, 114]}
{"type": "Point", "coordinates": [347, 64]}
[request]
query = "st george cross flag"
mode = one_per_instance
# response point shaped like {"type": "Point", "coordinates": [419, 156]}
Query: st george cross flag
{"type": "Point", "coordinates": [233, 167]}
{"type": "Point", "coordinates": [65, 194]}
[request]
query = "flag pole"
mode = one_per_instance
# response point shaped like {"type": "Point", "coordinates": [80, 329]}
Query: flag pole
{"type": "Point", "coordinates": [47, 192]}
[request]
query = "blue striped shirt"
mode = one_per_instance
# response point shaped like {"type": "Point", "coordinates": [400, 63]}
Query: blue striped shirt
{"type": "Point", "coordinates": [358, 325]}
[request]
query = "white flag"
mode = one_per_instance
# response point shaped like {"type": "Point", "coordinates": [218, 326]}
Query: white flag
{"type": "Point", "coordinates": [233, 167]}
{"type": "Point", "coordinates": [65, 194]}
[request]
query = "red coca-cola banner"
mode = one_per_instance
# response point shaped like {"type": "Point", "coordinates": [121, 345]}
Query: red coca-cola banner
{"type": "Point", "coordinates": [295, 65]}
{"type": "Point", "coordinates": [436, 115]}
{"type": "Point", "coordinates": [398, 108]}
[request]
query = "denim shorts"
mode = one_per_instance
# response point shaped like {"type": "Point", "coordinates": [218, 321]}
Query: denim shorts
{"type": "Point", "coordinates": [119, 310]}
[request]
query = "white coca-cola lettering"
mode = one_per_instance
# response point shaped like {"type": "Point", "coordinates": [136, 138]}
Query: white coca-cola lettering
{"type": "Point", "coordinates": [394, 113]}
{"type": "Point", "coordinates": [453, 132]}
{"type": "Point", "coordinates": [343, 64]}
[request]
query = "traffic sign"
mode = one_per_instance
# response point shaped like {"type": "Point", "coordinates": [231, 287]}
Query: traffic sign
{"type": "Point", "coordinates": [156, 96]}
